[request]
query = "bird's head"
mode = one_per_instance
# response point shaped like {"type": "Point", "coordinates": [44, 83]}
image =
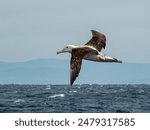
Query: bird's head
{"type": "Point", "coordinates": [68, 48]}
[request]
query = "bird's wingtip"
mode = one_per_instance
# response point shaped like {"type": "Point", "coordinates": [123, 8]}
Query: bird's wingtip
{"type": "Point", "coordinates": [119, 61]}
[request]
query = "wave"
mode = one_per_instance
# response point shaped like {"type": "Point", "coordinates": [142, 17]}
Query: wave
{"type": "Point", "coordinates": [56, 95]}
{"type": "Point", "coordinates": [19, 101]}
{"type": "Point", "coordinates": [48, 87]}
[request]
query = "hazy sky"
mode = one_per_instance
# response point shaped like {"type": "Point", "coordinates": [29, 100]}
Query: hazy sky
{"type": "Point", "coordinates": [31, 29]}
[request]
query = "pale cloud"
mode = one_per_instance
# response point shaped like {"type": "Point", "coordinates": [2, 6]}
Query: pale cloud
{"type": "Point", "coordinates": [32, 29]}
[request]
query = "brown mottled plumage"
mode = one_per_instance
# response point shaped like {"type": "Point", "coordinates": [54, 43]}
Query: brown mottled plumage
{"type": "Point", "coordinates": [98, 40]}
{"type": "Point", "coordinates": [76, 61]}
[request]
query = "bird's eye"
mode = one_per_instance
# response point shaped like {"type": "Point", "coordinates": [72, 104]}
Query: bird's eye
{"type": "Point", "coordinates": [67, 47]}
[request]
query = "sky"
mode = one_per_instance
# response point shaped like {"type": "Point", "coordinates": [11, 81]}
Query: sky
{"type": "Point", "coordinates": [33, 29]}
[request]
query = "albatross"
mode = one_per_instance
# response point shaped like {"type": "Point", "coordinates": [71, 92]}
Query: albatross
{"type": "Point", "coordinates": [90, 51]}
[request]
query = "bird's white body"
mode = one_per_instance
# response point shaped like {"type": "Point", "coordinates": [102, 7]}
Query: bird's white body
{"type": "Point", "coordinates": [90, 56]}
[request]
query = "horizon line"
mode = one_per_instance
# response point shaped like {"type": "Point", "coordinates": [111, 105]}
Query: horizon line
{"type": "Point", "coordinates": [35, 59]}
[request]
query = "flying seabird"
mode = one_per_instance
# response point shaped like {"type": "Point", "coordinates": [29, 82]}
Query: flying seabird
{"type": "Point", "coordinates": [90, 51]}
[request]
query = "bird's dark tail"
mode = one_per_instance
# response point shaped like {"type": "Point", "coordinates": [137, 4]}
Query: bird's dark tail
{"type": "Point", "coordinates": [110, 59]}
{"type": "Point", "coordinates": [116, 60]}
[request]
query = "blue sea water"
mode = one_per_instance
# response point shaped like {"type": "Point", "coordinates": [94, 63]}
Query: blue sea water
{"type": "Point", "coordinates": [78, 98]}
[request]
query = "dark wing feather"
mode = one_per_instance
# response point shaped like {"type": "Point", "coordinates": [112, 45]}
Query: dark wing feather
{"type": "Point", "coordinates": [76, 61]}
{"type": "Point", "coordinates": [98, 40]}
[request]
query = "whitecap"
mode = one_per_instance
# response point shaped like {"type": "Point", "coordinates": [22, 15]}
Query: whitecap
{"type": "Point", "coordinates": [56, 95]}
{"type": "Point", "coordinates": [19, 101]}
{"type": "Point", "coordinates": [141, 91]}
{"type": "Point", "coordinates": [79, 87]}
{"type": "Point", "coordinates": [48, 87]}
{"type": "Point", "coordinates": [121, 89]}
{"type": "Point", "coordinates": [74, 91]}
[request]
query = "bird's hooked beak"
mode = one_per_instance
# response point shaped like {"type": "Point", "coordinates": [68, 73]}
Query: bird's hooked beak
{"type": "Point", "coordinates": [61, 51]}
{"type": "Point", "coordinates": [58, 52]}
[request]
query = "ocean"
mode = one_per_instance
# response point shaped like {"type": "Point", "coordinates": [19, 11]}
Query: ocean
{"type": "Point", "coordinates": [75, 99]}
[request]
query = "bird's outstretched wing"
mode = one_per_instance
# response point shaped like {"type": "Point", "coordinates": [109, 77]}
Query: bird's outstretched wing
{"type": "Point", "coordinates": [98, 40]}
{"type": "Point", "coordinates": [77, 55]}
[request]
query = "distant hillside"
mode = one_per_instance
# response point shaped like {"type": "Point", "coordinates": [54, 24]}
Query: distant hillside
{"type": "Point", "coordinates": [52, 71]}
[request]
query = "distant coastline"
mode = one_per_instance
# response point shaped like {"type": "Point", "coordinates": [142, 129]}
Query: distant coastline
{"type": "Point", "coordinates": [56, 71]}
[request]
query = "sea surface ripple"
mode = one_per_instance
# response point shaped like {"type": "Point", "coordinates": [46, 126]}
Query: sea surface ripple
{"type": "Point", "coordinates": [78, 98]}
